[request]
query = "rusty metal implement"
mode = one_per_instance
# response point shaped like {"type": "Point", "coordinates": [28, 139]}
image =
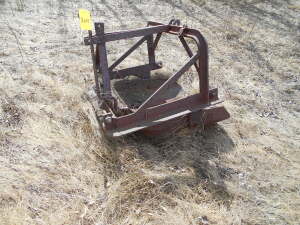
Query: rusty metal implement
{"type": "Point", "coordinates": [157, 114]}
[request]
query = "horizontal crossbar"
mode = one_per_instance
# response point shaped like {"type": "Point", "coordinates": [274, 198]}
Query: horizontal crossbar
{"type": "Point", "coordinates": [173, 110]}
{"type": "Point", "coordinates": [140, 71]}
{"type": "Point", "coordinates": [114, 36]}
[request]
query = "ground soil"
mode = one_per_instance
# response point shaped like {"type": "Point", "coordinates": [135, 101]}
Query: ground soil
{"type": "Point", "coordinates": [56, 167]}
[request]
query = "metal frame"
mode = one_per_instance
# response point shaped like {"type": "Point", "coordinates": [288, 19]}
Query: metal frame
{"type": "Point", "coordinates": [153, 115]}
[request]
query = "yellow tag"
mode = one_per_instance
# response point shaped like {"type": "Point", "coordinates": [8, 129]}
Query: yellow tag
{"type": "Point", "coordinates": [85, 19]}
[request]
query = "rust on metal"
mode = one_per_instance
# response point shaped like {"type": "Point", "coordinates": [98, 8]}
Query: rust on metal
{"type": "Point", "coordinates": [155, 115]}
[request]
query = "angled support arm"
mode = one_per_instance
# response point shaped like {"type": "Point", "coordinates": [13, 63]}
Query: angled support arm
{"type": "Point", "coordinates": [170, 81]}
{"type": "Point", "coordinates": [127, 53]}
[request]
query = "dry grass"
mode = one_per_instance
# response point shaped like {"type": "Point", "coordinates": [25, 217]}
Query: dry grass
{"type": "Point", "coordinates": [57, 168]}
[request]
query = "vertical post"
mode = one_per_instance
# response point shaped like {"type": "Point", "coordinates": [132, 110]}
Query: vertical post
{"type": "Point", "coordinates": [203, 75]}
{"type": "Point", "coordinates": [97, 58]}
{"type": "Point", "coordinates": [151, 54]}
{"type": "Point", "coordinates": [97, 87]}
{"type": "Point", "coordinates": [158, 36]}
{"type": "Point", "coordinates": [99, 27]}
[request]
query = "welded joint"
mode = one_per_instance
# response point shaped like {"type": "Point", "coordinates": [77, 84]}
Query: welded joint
{"type": "Point", "coordinates": [181, 31]}
{"type": "Point", "coordinates": [174, 22]}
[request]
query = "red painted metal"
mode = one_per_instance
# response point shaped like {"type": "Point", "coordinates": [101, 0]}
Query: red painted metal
{"type": "Point", "coordinates": [155, 115]}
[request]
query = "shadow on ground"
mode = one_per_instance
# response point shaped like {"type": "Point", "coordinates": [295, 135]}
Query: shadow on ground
{"type": "Point", "coordinates": [188, 158]}
{"type": "Point", "coordinates": [133, 92]}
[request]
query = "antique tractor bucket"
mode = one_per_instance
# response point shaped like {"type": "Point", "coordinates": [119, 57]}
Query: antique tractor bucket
{"type": "Point", "coordinates": [158, 113]}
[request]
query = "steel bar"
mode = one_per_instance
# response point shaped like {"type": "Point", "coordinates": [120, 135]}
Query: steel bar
{"type": "Point", "coordinates": [204, 115]}
{"type": "Point", "coordinates": [157, 38]}
{"type": "Point", "coordinates": [137, 117]}
{"type": "Point", "coordinates": [99, 27]}
{"type": "Point", "coordinates": [97, 58]}
{"type": "Point", "coordinates": [203, 59]}
{"type": "Point", "coordinates": [150, 48]}
{"type": "Point", "coordinates": [158, 110]}
{"type": "Point", "coordinates": [188, 50]}
{"type": "Point", "coordinates": [135, 71]}
{"type": "Point", "coordinates": [160, 114]}
{"type": "Point", "coordinates": [135, 33]}
{"type": "Point", "coordinates": [127, 53]}
{"type": "Point", "coordinates": [182, 103]}
{"type": "Point", "coordinates": [114, 36]}
{"type": "Point", "coordinates": [97, 86]}
{"type": "Point", "coordinates": [171, 80]}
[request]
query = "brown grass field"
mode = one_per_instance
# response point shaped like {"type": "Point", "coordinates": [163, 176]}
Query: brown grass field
{"type": "Point", "coordinates": [57, 168]}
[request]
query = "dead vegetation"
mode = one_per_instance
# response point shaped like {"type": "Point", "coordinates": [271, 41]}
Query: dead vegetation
{"type": "Point", "coordinates": [57, 168]}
